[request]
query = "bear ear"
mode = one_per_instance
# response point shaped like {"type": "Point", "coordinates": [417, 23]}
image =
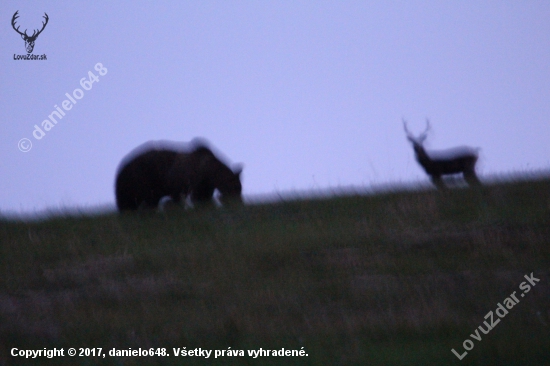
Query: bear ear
{"type": "Point", "coordinates": [238, 169]}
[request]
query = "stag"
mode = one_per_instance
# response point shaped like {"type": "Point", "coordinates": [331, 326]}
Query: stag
{"type": "Point", "coordinates": [444, 162]}
{"type": "Point", "coordinates": [29, 40]}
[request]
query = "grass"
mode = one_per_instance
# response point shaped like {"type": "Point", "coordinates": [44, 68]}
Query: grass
{"type": "Point", "coordinates": [396, 278]}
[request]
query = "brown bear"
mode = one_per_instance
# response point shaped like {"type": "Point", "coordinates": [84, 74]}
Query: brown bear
{"type": "Point", "coordinates": [156, 170]}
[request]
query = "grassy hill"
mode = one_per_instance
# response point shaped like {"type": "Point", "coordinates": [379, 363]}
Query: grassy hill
{"type": "Point", "coordinates": [390, 279]}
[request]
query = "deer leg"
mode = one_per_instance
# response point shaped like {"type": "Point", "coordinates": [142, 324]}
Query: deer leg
{"type": "Point", "coordinates": [438, 182]}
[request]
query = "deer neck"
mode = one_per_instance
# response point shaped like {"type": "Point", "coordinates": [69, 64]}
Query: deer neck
{"type": "Point", "coordinates": [422, 156]}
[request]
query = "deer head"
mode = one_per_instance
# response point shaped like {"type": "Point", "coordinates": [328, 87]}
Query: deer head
{"type": "Point", "coordinates": [418, 141]}
{"type": "Point", "coordinates": [29, 40]}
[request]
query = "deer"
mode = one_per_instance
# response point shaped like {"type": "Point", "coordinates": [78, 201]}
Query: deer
{"type": "Point", "coordinates": [458, 160]}
{"type": "Point", "coordinates": [29, 40]}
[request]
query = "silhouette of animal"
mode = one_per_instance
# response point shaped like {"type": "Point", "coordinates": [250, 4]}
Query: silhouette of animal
{"type": "Point", "coordinates": [152, 172]}
{"type": "Point", "coordinates": [29, 40]}
{"type": "Point", "coordinates": [458, 160]}
{"type": "Point", "coordinates": [201, 172]}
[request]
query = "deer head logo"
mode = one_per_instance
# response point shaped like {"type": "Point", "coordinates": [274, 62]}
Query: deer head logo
{"type": "Point", "coordinates": [29, 40]}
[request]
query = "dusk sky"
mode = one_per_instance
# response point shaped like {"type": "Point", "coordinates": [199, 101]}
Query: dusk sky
{"type": "Point", "coordinates": [308, 95]}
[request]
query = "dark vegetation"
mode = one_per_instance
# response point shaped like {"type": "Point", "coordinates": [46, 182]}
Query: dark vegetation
{"type": "Point", "coordinates": [389, 279]}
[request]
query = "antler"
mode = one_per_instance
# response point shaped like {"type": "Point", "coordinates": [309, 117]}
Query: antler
{"type": "Point", "coordinates": [424, 134]}
{"type": "Point", "coordinates": [15, 16]}
{"type": "Point", "coordinates": [43, 26]}
{"type": "Point", "coordinates": [34, 34]}
{"type": "Point", "coordinates": [409, 134]}
{"type": "Point", "coordinates": [420, 137]}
